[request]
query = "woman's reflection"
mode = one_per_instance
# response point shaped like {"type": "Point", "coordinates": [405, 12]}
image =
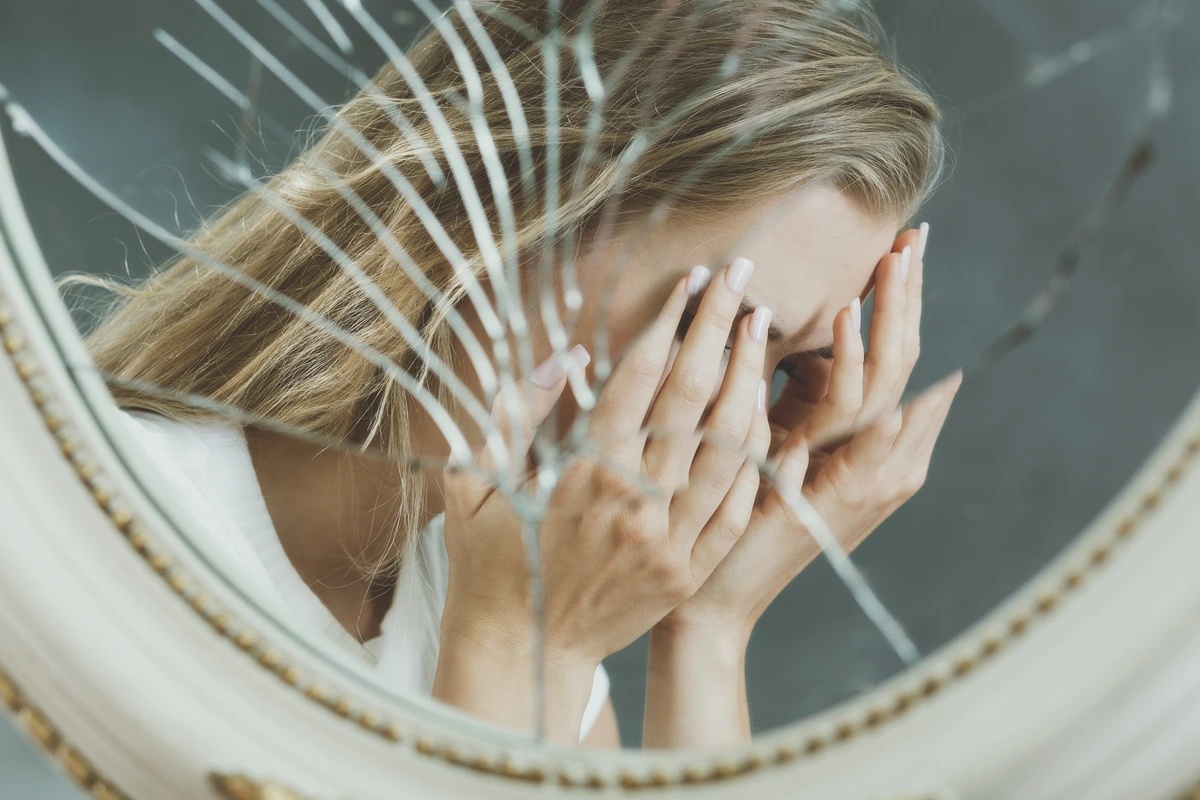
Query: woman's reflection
{"type": "Point", "coordinates": [779, 133]}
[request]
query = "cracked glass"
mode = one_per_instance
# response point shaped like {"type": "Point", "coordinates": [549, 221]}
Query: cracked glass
{"type": "Point", "coordinates": [556, 358]}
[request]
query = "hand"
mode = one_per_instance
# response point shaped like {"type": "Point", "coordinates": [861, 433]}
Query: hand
{"type": "Point", "coordinates": [880, 462]}
{"type": "Point", "coordinates": [622, 542]}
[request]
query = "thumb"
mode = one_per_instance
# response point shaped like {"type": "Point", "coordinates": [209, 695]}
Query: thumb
{"type": "Point", "coordinates": [521, 407]}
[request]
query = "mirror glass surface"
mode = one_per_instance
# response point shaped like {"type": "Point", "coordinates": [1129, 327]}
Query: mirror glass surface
{"type": "Point", "coordinates": [329, 338]}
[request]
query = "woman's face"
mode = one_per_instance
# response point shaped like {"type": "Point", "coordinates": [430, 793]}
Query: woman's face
{"type": "Point", "coordinates": [814, 251]}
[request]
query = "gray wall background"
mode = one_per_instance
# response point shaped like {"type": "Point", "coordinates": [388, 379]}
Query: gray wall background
{"type": "Point", "coordinates": [1035, 444]}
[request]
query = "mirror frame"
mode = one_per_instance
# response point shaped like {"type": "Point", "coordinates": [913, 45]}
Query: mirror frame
{"type": "Point", "coordinates": [141, 673]}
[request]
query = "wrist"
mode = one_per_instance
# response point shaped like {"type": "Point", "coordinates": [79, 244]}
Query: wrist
{"type": "Point", "coordinates": [509, 641]}
{"type": "Point", "coordinates": [723, 632]}
{"type": "Point", "coordinates": [695, 684]}
{"type": "Point", "coordinates": [491, 671]}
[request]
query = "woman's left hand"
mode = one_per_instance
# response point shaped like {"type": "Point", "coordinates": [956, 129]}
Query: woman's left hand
{"type": "Point", "coordinates": [880, 460]}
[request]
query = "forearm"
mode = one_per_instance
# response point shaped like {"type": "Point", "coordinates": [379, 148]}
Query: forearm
{"type": "Point", "coordinates": [493, 677]}
{"type": "Point", "coordinates": [696, 688]}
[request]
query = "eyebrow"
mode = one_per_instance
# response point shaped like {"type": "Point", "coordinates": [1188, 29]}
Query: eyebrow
{"type": "Point", "coordinates": [776, 334]}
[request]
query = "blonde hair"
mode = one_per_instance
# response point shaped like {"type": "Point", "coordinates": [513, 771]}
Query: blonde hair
{"type": "Point", "coordinates": [768, 96]}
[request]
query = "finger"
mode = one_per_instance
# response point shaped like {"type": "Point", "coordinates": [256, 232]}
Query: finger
{"type": "Point", "coordinates": [924, 451]}
{"type": "Point", "coordinates": [909, 463]}
{"type": "Point", "coordinates": [517, 411]}
{"type": "Point", "coordinates": [621, 408]}
{"type": "Point", "coordinates": [694, 375]}
{"type": "Point", "coordinates": [885, 355]}
{"type": "Point", "coordinates": [869, 448]}
{"type": "Point", "coordinates": [912, 339]}
{"type": "Point", "coordinates": [786, 472]}
{"type": "Point", "coordinates": [731, 518]}
{"type": "Point", "coordinates": [910, 238]}
{"type": "Point", "coordinates": [924, 416]}
{"type": "Point", "coordinates": [914, 239]}
{"type": "Point", "coordinates": [835, 416]}
{"type": "Point", "coordinates": [742, 401]}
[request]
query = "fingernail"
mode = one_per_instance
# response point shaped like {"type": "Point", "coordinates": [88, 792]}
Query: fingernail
{"type": "Point", "coordinates": [738, 274]}
{"type": "Point", "coordinates": [856, 315]}
{"type": "Point", "coordinates": [762, 395]}
{"type": "Point", "coordinates": [905, 257]}
{"type": "Point", "coordinates": [546, 374]}
{"type": "Point", "coordinates": [921, 240]}
{"type": "Point", "coordinates": [581, 356]}
{"type": "Point", "coordinates": [697, 279]}
{"type": "Point", "coordinates": [760, 320]}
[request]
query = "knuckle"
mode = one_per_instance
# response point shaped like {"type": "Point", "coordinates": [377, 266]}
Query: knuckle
{"type": "Point", "coordinates": [913, 483]}
{"type": "Point", "coordinates": [721, 317]}
{"type": "Point", "coordinates": [727, 432]}
{"type": "Point", "coordinates": [912, 355]}
{"type": "Point", "coordinates": [643, 368]}
{"type": "Point", "coordinates": [714, 482]}
{"type": "Point", "coordinates": [607, 483]}
{"type": "Point", "coordinates": [734, 520]}
{"type": "Point", "coordinates": [694, 386]}
{"type": "Point", "coordinates": [636, 526]}
{"type": "Point", "coordinates": [891, 424]}
{"type": "Point", "coordinates": [748, 368]}
{"type": "Point", "coordinates": [847, 487]}
{"type": "Point", "coordinates": [844, 405]}
{"type": "Point", "coordinates": [628, 533]}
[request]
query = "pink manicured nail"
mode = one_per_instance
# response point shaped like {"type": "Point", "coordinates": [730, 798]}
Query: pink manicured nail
{"type": "Point", "coordinates": [762, 395]}
{"type": "Point", "coordinates": [548, 373]}
{"type": "Point", "coordinates": [760, 321]}
{"type": "Point", "coordinates": [856, 315]}
{"type": "Point", "coordinates": [922, 240]}
{"type": "Point", "coordinates": [905, 257]}
{"type": "Point", "coordinates": [581, 356]}
{"type": "Point", "coordinates": [738, 274]}
{"type": "Point", "coordinates": [697, 279]}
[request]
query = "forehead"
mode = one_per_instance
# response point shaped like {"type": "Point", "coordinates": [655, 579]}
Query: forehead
{"type": "Point", "coordinates": [814, 251]}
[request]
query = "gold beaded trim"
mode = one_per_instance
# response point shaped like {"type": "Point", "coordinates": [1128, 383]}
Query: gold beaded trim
{"type": "Point", "coordinates": [46, 736]}
{"type": "Point", "coordinates": [250, 642]}
{"type": "Point", "coordinates": [240, 787]}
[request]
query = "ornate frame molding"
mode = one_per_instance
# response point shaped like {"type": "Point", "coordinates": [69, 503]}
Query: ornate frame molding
{"type": "Point", "coordinates": [38, 346]}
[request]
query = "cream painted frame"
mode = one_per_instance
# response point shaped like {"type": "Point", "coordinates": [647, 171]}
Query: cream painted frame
{"type": "Point", "coordinates": [131, 663]}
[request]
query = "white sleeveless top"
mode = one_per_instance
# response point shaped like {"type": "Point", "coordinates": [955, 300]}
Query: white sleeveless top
{"type": "Point", "coordinates": [208, 467]}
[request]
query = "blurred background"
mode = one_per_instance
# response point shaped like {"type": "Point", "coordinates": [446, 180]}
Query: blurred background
{"type": "Point", "coordinates": [1045, 100]}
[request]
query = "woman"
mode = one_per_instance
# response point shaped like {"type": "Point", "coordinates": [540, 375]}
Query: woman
{"type": "Point", "coordinates": [398, 281]}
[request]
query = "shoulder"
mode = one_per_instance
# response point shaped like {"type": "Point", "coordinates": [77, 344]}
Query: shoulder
{"type": "Point", "coordinates": [181, 442]}
{"type": "Point", "coordinates": [199, 472]}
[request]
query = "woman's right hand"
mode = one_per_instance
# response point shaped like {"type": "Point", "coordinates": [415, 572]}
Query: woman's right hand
{"type": "Point", "coordinates": [623, 537]}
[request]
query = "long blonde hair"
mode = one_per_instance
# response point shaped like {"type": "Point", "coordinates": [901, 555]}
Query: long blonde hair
{"type": "Point", "coordinates": [769, 96]}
